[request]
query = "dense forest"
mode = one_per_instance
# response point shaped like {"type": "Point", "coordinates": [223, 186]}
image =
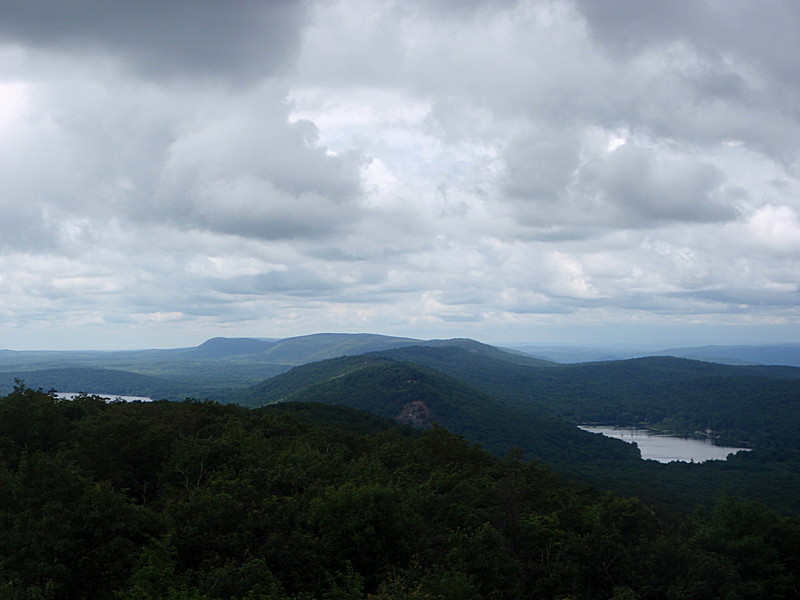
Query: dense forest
{"type": "Point", "coordinates": [198, 500]}
{"type": "Point", "coordinates": [757, 405]}
{"type": "Point", "coordinates": [508, 404]}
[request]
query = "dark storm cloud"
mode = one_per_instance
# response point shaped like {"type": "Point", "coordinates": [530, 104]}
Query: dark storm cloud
{"type": "Point", "coordinates": [234, 39]}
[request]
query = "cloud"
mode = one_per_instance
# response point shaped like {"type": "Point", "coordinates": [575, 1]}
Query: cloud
{"type": "Point", "coordinates": [646, 189]}
{"type": "Point", "coordinates": [419, 168]}
{"type": "Point", "coordinates": [86, 151]}
{"type": "Point", "coordinates": [562, 188]}
{"type": "Point", "coordinates": [239, 40]}
{"type": "Point", "coordinates": [247, 171]}
{"type": "Point", "coordinates": [738, 30]}
{"type": "Point", "coordinates": [775, 229]}
{"type": "Point", "coordinates": [734, 67]}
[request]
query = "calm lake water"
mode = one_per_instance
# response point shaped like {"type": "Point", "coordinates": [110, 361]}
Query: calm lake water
{"type": "Point", "coordinates": [71, 395]}
{"type": "Point", "coordinates": [667, 448]}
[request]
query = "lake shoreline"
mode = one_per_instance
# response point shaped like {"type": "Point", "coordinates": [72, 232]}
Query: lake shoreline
{"type": "Point", "coordinates": [716, 438]}
{"type": "Point", "coordinates": [666, 447]}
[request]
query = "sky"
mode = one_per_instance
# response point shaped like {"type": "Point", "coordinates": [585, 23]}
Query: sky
{"type": "Point", "coordinates": [531, 171]}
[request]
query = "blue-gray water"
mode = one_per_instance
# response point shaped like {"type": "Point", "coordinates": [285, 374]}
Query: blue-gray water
{"type": "Point", "coordinates": [666, 448]}
{"type": "Point", "coordinates": [71, 395]}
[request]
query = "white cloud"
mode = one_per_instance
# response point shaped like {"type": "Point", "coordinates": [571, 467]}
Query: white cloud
{"type": "Point", "coordinates": [499, 170]}
{"type": "Point", "coordinates": [776, 229]}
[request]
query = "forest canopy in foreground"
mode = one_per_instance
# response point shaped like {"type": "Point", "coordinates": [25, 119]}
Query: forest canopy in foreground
{"type": "Point", "coordinates": [198, 500]}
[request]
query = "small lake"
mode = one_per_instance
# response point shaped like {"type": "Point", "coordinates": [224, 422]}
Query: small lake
{"type": "Point", "coordinates": [71, 395]}
{"type": "Point", "coordinates": [666, 448]}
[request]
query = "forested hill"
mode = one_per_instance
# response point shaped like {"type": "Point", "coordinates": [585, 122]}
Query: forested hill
{"type": "Point", "coordinates": [518, 406]}
{"type": "Point", "coordinates": [419, 396]}
{"type": "Point", "coordinates": [200, 501]}
{"type": "Point", "coordinates": [501, 399]}
{"type": "Point", "coordinates": [207, 370]}
{"type": "Point", "coordinates": [759, 405]}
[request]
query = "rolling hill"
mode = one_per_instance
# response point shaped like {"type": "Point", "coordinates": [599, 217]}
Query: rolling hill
{"type": "Point", "coordinates": [419, 396]}
{"type": "Point", "coordinates": [503, 400]}
{"type": "Point", "coordinates": [211, 369]}
{"type": "Point", "coordinates": [759, 405]}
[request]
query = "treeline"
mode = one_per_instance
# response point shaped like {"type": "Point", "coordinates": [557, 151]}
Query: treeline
{"type": "Point", "coordinates": [197, 500]}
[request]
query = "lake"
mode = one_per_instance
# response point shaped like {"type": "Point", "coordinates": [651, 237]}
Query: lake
{"type": "Point", "coordinates": [71, 395]}
{"type": "Point", "coordinates": [666, 448]}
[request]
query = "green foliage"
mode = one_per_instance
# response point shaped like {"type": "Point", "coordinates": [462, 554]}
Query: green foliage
{"type": "Point", "coordinates": [65, 535]}
{"type": "Point", "coordinates": [214, 369]}
{"type": "Point", "coordinates": [523, 414]}
{"type": "Point", "coordinates": [272, 505]}
{"type": "Point", "coordinates": [501, 400]}
{"type": "Point", "coordinates": [755, 405]}
{"type": "Point", "coordinates": [389, 389]}
{"type": "Point", "coordinates": [30, 420]}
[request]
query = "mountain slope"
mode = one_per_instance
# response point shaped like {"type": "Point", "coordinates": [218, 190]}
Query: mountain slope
{"type": "Point", "coordinates": [220, 347]}
{"type": "Point", "coordinates": [322, 346]}
{"type": "Point", "coordinates": [419, 396]}
{"type": "Point", "coordinates": [755, 404]}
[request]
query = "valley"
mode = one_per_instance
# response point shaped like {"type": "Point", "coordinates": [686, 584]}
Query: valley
{"type": "Point", "coordinates": [356, 467]}
{"type": "Point", "coordinates": [506, 400]}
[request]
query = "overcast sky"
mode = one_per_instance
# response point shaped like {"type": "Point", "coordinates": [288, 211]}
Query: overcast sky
{"type": "Point", "coordinates": [511, 171]}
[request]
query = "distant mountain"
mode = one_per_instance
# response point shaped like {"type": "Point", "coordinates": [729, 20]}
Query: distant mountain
{"type": "Point", "coordinates": [220, 347]}
{"type": "Point", "coordinates": [209, 370]}
{"type": "Point", "coordinates": [454, 357]}
{"type": "Point", "coordinates": [502, 399]}
{"type": "Point", "coordinates": [765, 354]}
{"type": "Point", "coordinates": [579, 354]}
{"type": "Point", "coordinates": [683, 393]}
{"type": "Point", "coordinates": [321, 346]}
{"type": "Point", "coordinates": [287, 351]}
{"type": "Point", "coordinates": [778, 354]}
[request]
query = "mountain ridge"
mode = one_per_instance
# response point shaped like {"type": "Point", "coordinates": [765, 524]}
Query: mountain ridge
{"type": "Point", "coordinates": [787, 354]}
{"type": "Point", "coordinates": [419, 396]}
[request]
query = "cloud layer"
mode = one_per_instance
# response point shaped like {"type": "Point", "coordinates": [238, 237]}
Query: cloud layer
{"type": "Point", "coordinates": [511, 171]}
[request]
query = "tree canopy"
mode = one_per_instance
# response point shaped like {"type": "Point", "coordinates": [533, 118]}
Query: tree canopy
{"type": "Point", "coordinates": [197, 500]}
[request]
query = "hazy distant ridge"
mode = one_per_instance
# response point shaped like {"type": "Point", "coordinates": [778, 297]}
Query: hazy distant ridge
{"type": "Point", "coordinates": [768, 354]}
